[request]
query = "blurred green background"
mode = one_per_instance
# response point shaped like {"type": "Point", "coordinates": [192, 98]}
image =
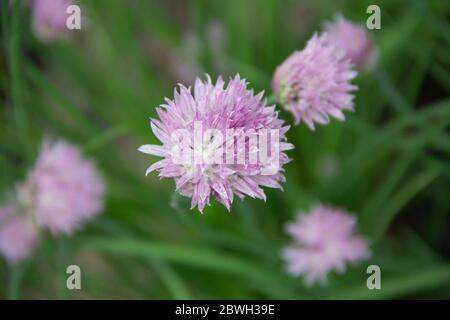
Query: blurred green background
{"type": "Point", "coordinates": [389, 162]}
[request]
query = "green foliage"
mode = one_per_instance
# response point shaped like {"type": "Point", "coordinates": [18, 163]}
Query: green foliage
{"type": "Point", "coordinates": [390, 159]}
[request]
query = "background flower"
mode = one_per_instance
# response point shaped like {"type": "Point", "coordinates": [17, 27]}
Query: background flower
{"type": "Point", "coordinates": [49, 18]}
{"type": "Point", "coordinates": [314, 83]}
{"type": "Point", "coordinates": [354, 40]}
{"type": "Point", "coordinates": [324, 241]}
{"type": "Point", "coordinates": [18, 235]}
{"type": "Point", "coordinates": [63, 190]}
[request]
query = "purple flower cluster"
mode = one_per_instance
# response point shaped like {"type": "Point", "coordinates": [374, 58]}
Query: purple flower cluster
{"type": "Point", "coordinates": [230, 111]}
{"type": "Point", "coordinates": [314, 83]}
{"type": "Point", "coordinates": [18, 234]}
{"type": "Point", "coordinates": [324, 241]}
{"type": "Point", "coordinates": [62, 192]}
{"type": "Point", "coordinates": [354, 41]}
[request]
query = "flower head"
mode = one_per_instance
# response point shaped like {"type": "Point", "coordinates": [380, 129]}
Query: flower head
{"type": "Point", "coordinates": [49, 18]}
{"type": "Point", "coordinates": [18, 235]}
{"type": "Point", "coordinates": [324, 241]}
{"type": "Point", "coordinates": [355, 42]}
{"type": "Point", "coordinates": [213, 142]}
{"type": "Point", "coordinates": [63, 190]}
{"type": "Point", "coordinates": [314, 83]}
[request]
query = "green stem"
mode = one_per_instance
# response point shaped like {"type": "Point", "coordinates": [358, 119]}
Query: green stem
{"type": "Point", "coordinates": [402, 197]}
{"type": "Point", "coordinates": [405, 284]}
{"type": "Point", "coordinates": [268, 282]}
{"type": "Point", "coordinates": [15, 279]}
{"type": "Point", "coordinates": [61, 265]}
{"type": "Point", "coordinates": [171, 279]}
{"type": "Point", "coordinates": [394, 97]}
{"type": "Point", "coordinates": [16, 81]}
{"type": "Point", "coordinates": [4, 9]}
{"type": "Point", "coordinates": [104, 138]}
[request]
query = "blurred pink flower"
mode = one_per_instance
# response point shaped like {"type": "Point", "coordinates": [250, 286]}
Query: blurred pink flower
{"type": "Point", "coordinates": [314, 83]}
{"type": "Point", "coordinates": [324, 241]}
{"type": "Point", "coordinates": [233, 109]}
{"type": "Point", "coordinates": [355, 42]}
{"type": "Point", "coordinates": [63, 190]}
{"type": "Point", "coordinates": [49, 18]}
{"type": "Point", "coordinates": [18, 235]}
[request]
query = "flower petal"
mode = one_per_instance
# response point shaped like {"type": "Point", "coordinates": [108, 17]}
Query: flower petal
{"type": "Point", "coordinates": [153, 149]}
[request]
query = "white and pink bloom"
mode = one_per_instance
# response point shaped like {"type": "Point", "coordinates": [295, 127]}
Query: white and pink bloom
{"type": "Point", "coordinates": [213, 141]}
{"type": "Point", "coordinates": [314, 84]}
{"type": "Point", "coordinates": [324, 241]}
{"type": "Point", "coordinates": [63, 190]}
{"type": "Point", "coordinates": [18, 234]}
{"type": "Point", "coordinates": [355, 42]}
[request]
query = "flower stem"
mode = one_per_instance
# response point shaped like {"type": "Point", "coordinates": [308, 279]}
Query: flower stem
{"type": "Point", "coordinates": [17, 91]}
{"type": "Point", "coordinates": [105, 138]}
{"type": "Point", "coordinates": [171, 279]}
{"type": "Point", "coordinates": [15, 279]}
{"type": "Point", "coordinates": [61, 264]}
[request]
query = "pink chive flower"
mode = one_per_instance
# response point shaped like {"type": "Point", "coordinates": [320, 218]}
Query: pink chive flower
{"type": "Point", "coordinates": [63, 190]}
{"type": "Point", "coordinates": [49, 18]}
{"type": "Point", "coordinates": [18, 235]}
{"type": "Point", "coordinates": [314, 83]}
{"type": "Point", "coordinates": [235, 116]}
{"type": "Point", "coordinates": [324, 241]}
{"type": "Point", "coordinates": [355, 42]}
